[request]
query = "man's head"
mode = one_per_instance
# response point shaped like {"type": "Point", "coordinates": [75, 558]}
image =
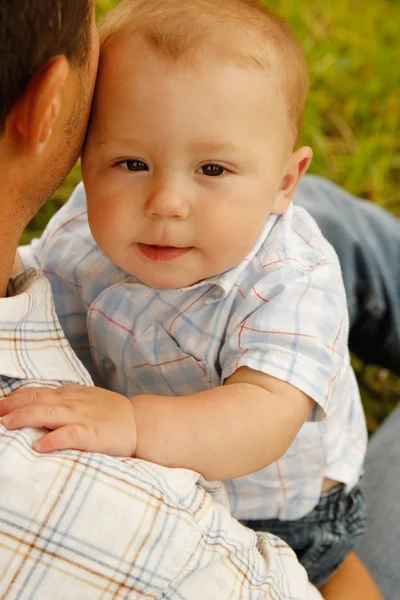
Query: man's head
{"type": "Point", "coordinates": [47, 67]}
{"type": "Point", "coordinates": [197, 110]}
{"type": "Point", "coordinates": [31, 34]}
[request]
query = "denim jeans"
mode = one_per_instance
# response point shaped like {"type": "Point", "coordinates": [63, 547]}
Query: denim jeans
{"type": "Point", "coordinates": [324, 537]}
{"type": "Point", "coordinates": [367, 241]}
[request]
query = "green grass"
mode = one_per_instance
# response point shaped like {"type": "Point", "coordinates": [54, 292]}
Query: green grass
{"type": "Point", "coordinates": [352, 121]}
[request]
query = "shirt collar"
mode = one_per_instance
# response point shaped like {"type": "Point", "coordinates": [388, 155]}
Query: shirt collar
{"type": "Point", "coordinates": [32, 344]}
{"type": "Point", "coordinates": [223, 283]}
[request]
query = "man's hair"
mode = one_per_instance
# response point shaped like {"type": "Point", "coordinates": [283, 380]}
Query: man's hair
{"type": "Point", "coordinates": [32, 32]}
{"type": "Point", "coordinates": [245, 31]}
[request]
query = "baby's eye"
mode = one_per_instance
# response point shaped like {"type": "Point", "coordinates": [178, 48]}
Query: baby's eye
{"type": "Point", "coordinates": [212, 170]}
{"type": "Point", "coordinates": [133, 165]}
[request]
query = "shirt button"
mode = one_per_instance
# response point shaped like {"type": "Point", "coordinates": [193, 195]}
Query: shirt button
{"type": "Point", "coordinates": [108, 365]}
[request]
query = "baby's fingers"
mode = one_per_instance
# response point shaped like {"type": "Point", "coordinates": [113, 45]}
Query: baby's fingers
{"type": "Point", "coordinates": [28, 397]}
{"type": "Point", "coordinates": [71, 437]}
{"type": "Point", "coordinates": [51, 416]}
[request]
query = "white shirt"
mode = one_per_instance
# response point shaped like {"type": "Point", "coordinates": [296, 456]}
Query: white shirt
{"type": "Point", "coordinates": [82, 526]}
{"type": "Point", "coordinates": [281, 311]}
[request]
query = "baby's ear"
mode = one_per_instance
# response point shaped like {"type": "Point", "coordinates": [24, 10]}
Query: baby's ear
{"type": "Point", "coordinates": [294, 171]}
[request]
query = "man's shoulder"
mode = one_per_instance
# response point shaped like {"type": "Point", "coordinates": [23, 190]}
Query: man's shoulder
{"type": "Point", "coordinates": [144, 528]}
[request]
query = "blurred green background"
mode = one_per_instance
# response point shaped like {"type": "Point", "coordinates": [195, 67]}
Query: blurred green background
{"type": "Point", "coordinates": [352, 122]}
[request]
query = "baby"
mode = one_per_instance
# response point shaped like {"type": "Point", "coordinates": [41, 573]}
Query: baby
{"type": "Point", "coordinates": [211, 306]}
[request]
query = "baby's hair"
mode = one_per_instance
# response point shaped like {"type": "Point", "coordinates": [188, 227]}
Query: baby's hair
{"type": "Point", "coordinates": [245, 31]}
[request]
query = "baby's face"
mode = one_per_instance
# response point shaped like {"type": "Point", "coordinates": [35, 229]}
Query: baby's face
{"type": "Point", "coordinates": [183, 163]}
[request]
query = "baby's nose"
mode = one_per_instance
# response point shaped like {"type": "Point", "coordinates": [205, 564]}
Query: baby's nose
{"type": "Point", "coordinates": [167, 202]}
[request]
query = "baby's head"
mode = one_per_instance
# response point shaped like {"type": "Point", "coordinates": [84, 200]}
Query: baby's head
{"type": "Point", "coordinates": [197, 110]}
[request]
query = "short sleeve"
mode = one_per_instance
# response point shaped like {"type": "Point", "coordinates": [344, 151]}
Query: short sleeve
{"type": "Point", "coordinates": [293, 325]}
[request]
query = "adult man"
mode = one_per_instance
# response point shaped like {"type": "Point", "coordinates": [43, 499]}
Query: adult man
{"type": "Point", "coordinates": [76, 525]}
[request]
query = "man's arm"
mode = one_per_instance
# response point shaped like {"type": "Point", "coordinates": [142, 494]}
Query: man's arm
{"type": "Point", "coordinates": [177, 541]}
{"type": "Point", "coordinates": [351, 580]}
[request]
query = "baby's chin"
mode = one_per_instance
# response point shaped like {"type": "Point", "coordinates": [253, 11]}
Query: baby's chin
{"type": "Point", "coordinates": [176, 274]}
{"type": "Point", "coordinates": [163, 275]}
{"type": "Point", "coordinates": [168, 282]}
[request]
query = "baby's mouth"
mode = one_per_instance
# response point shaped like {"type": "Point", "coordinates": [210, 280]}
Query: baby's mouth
{"type": "Point", "coordinates": [155, 252]}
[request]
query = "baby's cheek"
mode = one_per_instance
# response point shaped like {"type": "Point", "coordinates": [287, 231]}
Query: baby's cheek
{"type": "Point", "coordinates": [100, 224]}
{"type": "Point", "coordinates": [113, 228]}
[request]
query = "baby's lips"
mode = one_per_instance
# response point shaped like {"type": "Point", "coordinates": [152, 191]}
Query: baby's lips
{"type": "Point", "coordinates": [158, 253]}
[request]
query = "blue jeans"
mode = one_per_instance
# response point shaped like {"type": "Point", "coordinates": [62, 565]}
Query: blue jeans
{"type": "Point", "coordinates": [367, 241]}
{"type": "Point", "coordinates": [324, 537]}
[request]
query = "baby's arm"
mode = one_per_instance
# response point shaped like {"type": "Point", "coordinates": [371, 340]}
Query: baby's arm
{"type": "Point", "coordinates": [225, 432]}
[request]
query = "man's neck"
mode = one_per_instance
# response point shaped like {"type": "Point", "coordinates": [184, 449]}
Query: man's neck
{"type": "Point", "coordinates": [9, 238]}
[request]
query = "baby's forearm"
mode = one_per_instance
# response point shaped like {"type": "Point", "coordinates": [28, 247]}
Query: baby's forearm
{"type": "Point", "coordinates": [222, 433]}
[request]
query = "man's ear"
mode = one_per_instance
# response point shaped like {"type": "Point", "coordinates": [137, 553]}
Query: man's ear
{"type": "Point", "coordinates": [37, 110]}
{"type": "Point", "coordinates": [294, 171]}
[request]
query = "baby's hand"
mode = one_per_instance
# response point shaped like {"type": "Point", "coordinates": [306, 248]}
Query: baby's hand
{"type": "Point", "coordinates": [82, 418]}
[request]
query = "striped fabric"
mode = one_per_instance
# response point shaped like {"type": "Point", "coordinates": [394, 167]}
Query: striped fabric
{"type": "Point", "coordinates": [281, 311]}
{"type": "Point", "coordinates": [83, 526]}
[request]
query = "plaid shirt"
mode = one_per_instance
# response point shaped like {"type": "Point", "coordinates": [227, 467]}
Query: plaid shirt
{"type": "Point", "coordinates": [83, 526]}
{"type": "Point", "coordinates": [281, 311]}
